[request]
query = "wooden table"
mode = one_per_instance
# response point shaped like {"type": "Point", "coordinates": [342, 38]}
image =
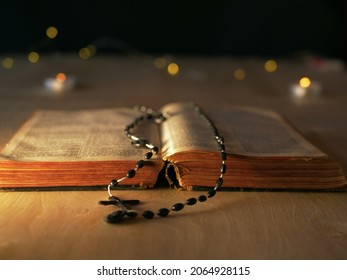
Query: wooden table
{"type": "Point", "coordinates": [234, 225]}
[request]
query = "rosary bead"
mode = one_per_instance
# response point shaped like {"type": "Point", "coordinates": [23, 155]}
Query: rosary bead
{"type": "Point", "coordinates": [113, 183]}
{"type": "Point", "coordinates": [219, 183]}
{"type": "Point", "coordinates": [148, 155]}
{"type": "Point", "coordinates": [140, 163]}
{"type": "Point", "coordinates": [222, 147]}
{"type": "Point", "coordinates": [131, 173]}
{"type": "Point", "coordinates": [177, 207]}
{"type": "Point", "coordinates": [149, 146]}
{"type": "Point", "coordinates": [143, 108]}
{"type": "Point", "coordinates": [223, 168]}
{"type": "Point", "coordinates": [131, 213]}
{"type": "Point", "coordinates": [155, 150]}
{"type": "Point", "coordinates": [148, 214]}
{"type": "Point", "coordinates": [159, 118]}
{"type": "Point", "coordinates": [211, 193]}
{"type": "Point", "coordinates": [220, 139]}
{"type": "Point", "coordinates": [140, 142]}
{"type": "Point", "coordinates": [191, 201]}
{"type": "Point", "coordinates": [202, 198]}
{"type": "Point", "coordinates": [135, 138]}
{"type": "Point", "coordinates": [223, 155]}
{"type": "Point", "coordinates": [115, 217]}
{"type": "Point", "coordinates": [163, 212]}
{"type": "Point", "coordinates": [149, 116]}
{"type": "Point", "coordinates": [196, 107]}
{"type": "Point", "coordinates": [143, 142]}
{"type": "Point", "coordinates": [135, 143]}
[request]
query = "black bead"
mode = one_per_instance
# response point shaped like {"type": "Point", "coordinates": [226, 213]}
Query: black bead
{"type": "Point", "coordinates": [222, 147]}
{"type": "Point", "coordinates": [131, 213]}
{"type": "Point", "coordinates": [140, 163]}
{"type": "Point", "coordinates": [135, 143]}
{"type": "Point", "coordinates": [219, 182]}
{"type": "Point", "coordinates": [202, 198]}
{"type": "Point", "coordinates": [148, 214]}
{"type": "Point", "coordinates": [159, 118]}
{"type": "Point", "coordinates": [139, 143]}
{"type": "Point", "coordinates": [115, 217]}
{"type": "Point", "coordinates": [211, 193]}
{"type": "Point", "coordinates": [223, 155]}
{"type": "Point", "coordinates": [131, 173]}
{"type": "Point", "coordinates": [113, 183]}
{"type": "Point", "coordinates": [143, 142]}
{"type": "Point", "coordinates": [223, 168]}
{"type": "Point", "coordinates": [191, 201]}
{"type": "Point", "coordinates": [163, 212]}
{"type": "Point", "coordinates": [177, 207]}
{"type": "Point", "coordinates": [148, 155]}
{"type": "Point", "coordinates": [149, 116]}
{"type": "Point", "coordinates": [155, 150]}
{"type": "Point", "coordinates": [220, 140]}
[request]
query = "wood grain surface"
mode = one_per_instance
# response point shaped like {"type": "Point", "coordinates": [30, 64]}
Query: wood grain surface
{"type": "Point", "coordinates": [232, 225]}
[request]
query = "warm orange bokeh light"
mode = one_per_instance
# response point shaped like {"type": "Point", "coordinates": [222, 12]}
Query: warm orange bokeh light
{"type": "Point", "coordinates": [60, 77]}
{"type": "Point", "coordinates": [173, 69]}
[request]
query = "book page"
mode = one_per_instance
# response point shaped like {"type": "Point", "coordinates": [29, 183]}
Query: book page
{"type": "Point", "coordinates": [84, 135]}
{"type": "Point", "coordinates": [247, 132]}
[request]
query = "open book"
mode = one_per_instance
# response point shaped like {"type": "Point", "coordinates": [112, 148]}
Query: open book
{"type": "Point", "coordinates": [89, 148]}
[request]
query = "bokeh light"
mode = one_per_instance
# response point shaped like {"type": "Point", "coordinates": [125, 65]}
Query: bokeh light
{"type": "Point", "coordinates": [270, 66]}
{"type": "Point", "coordinates": [52, 32]}
{"type": "Point", "coordinates": [173, 69]}
{"type": "Point", "coordinates": [240, 74]}
{"type": "Point", "coordinates": [60, 77]}
{"type": "Point", "coordinates": [8, 62]}
{"type": "Point", "coordinates": [92, 49]}
{"type": "Point", "coordinates": [305, 82]}
{"type": "Point", "coordinates": [85, 53]}
{"type": "Point", "coordinates": [160, 63]}
{"type": "Point", "coordinates": [33, 57]}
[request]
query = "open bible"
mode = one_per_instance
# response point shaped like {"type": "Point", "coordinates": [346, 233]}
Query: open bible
{"type": "Point", "coordinates": [86, 148]}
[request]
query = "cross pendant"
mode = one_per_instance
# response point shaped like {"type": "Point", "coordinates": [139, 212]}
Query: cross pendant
{"type": "Point", "coordinates": [117, 216]}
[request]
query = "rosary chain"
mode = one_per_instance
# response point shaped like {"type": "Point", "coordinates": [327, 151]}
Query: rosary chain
{"type": "Point", "coordinates": [158, 118]}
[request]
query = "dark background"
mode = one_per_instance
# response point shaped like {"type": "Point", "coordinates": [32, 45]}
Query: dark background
{"type": "Point", "coordinates": [244, 27]}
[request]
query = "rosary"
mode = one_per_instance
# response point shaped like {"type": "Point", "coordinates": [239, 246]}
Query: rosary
{"type": "Point", "coordinates": [149, 115]}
